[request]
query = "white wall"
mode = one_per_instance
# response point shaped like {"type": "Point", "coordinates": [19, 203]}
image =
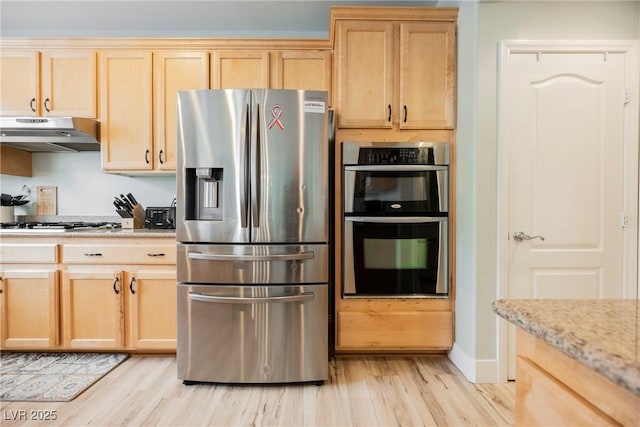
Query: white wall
{"type": "Point", "coordinates": [475, 349]}
{"type": "Point", "coordinates": [83, 189]}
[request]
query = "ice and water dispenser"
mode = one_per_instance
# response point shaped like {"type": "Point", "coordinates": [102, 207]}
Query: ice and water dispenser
{"type": "Point", "coordinates": [204, 194]}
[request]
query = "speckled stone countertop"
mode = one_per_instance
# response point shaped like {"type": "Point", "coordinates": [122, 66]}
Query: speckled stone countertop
{"type": "Point", "coordinates": [604, 335]}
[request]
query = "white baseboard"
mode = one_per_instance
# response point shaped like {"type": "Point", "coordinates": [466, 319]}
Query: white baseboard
{"type": "Point", "coordinates": [480, 371]}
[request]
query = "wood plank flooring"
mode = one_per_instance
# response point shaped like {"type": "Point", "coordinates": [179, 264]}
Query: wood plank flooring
{"type": "Point", "coordinates": [361, 391]}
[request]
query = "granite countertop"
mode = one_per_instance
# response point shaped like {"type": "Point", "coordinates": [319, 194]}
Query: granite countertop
{"type": "Point", "coordinates": [604, 335]}
{"type": "Point", "coordinates": [111, 233]}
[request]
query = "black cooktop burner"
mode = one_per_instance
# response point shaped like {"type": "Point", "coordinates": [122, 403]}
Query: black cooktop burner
{"type": "Point", "coordinates": [57, 225]}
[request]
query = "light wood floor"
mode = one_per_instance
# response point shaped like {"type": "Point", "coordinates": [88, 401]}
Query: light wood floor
{"type": "Point", "coordinates": [362, 391]}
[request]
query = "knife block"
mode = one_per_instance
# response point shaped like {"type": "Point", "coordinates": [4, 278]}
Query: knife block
{"type": "Point", "coordinates": [138, 218]}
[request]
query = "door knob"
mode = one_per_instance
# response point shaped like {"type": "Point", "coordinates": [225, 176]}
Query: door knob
{"type": "Point", "coordinates": [519, 236]}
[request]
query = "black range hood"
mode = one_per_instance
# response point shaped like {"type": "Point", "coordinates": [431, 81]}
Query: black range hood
{"type": "Point", "coordinates": [49, 134]}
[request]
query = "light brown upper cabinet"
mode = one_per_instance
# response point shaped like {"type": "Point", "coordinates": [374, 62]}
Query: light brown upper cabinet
{"type": "Point", "coordinates": [48, 83]}
{"type": "Point", "coordinates": [139, 106]}
{"type": "Point", "coordinates": [395, 74]}
{"type": "Point", "coordinates": [279, 69]}
{"type": "Point", "coordinates": [173, 71]}
{"type": "Point", "coordinates": [302, 69]}
{"type": "Point", "coordinates": [240, 69]}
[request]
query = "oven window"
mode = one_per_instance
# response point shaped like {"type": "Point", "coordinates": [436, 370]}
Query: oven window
{"type": "Point", "coordinates": [399, 258]}
{"type": "Point", "coordinates": [378, 192]}
{"type": "Point", "coordinates": [396, 254]}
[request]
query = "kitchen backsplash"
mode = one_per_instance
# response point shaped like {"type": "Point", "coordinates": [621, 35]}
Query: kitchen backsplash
{"type": "Point", "coordinates": [83, 189]}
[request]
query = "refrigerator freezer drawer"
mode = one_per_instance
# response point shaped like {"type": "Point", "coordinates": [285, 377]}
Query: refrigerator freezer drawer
{"type": "Point", "coordinates": [252, 334]}
{"type": "Point", "coordinates": [253, 264]}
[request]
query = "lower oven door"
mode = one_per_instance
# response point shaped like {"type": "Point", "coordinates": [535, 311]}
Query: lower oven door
{"type": "Point", "coordinates": [252, 334]}
{"type": "Point", "coordinates": [395, 256]}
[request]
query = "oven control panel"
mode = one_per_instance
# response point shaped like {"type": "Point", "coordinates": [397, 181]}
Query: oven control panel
{"type": "Point", "coordinates": [396, 156]}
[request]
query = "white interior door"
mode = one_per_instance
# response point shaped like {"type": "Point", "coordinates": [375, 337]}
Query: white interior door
{"type": "Point", "coordinates": [563, 119]}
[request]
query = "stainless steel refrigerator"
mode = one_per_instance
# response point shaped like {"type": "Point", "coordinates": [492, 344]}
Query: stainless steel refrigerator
{"type": "Point", "coordinates": [253, 232]}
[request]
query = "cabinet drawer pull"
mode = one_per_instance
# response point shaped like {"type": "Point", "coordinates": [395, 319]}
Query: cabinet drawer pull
{"type": "Point", "coordinates": [46, 105]}
{"type": "Point", "coordinates": [160, 155]}
{"type": "Point", "coordinates": [405, 114]}
{"type": "Point", "coordinates": [389, 118]}
{"type": "Point", "coordinates": [133, 280]}
{"type": "Point", "coordinates": [33, 100]}
{"type": "Point", "coordinates": [92, 254]}
{"type": "Point", "coordinates": [115, 286]}
{"type": "Point", "coordinates": [146, 156]}
{"type": "Point", "coordinates": [156, 254]}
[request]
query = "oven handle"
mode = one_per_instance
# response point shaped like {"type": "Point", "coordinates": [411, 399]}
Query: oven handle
{"type": "Point", "coordinates": [235, 257]}
{"type": "Point", "coordinates": [396, 168]}
{"type": "Point", "coordinates": [395, 219]}
{"type": "Point", "coordinates": [305, 296]}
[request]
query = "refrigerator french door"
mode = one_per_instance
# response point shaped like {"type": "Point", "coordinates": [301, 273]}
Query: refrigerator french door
{"type": "Point", "coordinates": [252, 229]}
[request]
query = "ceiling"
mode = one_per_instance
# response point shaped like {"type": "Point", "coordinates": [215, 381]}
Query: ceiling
{"type": "Point", "coordinates": [189, 18]}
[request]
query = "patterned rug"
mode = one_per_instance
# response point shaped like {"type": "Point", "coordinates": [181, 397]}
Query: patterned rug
{"type": "Point", "coordinates": [52, 377]}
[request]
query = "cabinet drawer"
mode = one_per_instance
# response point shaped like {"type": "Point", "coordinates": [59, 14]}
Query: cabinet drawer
{"type": "Point", "coordinates": [118, 254]}
{"type": "Point", "coordinates": [28, 253]}
{"type": "Point", "coordinates": [411, 330]}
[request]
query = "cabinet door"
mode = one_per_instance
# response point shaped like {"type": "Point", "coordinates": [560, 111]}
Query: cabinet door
{"type": "Point", "coordinates": [240, 69]}
{"type": "Point", "coordinates": [427, 75]}
{"type": "Point", "coordinates": [302, 69]}
{"type": "Point", "coordinates": [19, 80]}
{"type": "Point", "coordinates": [69, 84]}
{"type": "Point", "coordinates": [151, 309]}
{"type": "Point", "coordinates": [126, 111]}
{"type": "Point", "coordinates": [92, 310]}
{"type": "Point", "coordinates": [29, 309]}
{"type": "Point", "coordinates": [172, 72]}
{"type": "Point", "coordinates": [364, 56]}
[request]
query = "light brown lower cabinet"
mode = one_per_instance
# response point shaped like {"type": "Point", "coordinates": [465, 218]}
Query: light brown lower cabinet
{"type": "Point", "coordinates": [90, 294]}
{"type": "Point", "coordinates": [555, 389]}
{"type": "Point", "coordinates": [29, 308]}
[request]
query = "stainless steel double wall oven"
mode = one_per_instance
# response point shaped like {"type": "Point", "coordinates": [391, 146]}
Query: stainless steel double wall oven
{"type": "Point", "coordinates": [395, 219]}
{"type": "Point", "coordinates": [253, 253]}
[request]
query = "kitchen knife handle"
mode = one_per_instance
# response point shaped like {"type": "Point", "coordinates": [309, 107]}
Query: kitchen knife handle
{"type": "Point", "coordinates": [33, 108]}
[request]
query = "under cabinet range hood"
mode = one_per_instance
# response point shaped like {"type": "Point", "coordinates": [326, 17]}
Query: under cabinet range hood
{"type": "Point", "coordinates": [49, 134]}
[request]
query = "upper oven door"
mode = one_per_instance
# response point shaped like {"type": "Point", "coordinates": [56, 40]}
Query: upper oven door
{"type": "Point", "coordinates": [395, 189]}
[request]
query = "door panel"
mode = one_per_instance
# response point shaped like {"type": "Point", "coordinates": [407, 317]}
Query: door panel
{"type": "Point", "coordinates": [252, 334]}
{"type": "Point", "coordinates": [291, 162]}
{"type": "Point", "coordinates": [564, 122]}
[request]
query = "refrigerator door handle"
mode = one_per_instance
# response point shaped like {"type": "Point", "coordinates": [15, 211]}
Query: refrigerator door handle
{"type": "Point", "coordinates": [255, 165]}
{"type": "Point", "coordinates": [305, 296]}
{"type": "Point", "coordinates": [244, 161]}
{"type": "Point", "coordinates": [301, 256]}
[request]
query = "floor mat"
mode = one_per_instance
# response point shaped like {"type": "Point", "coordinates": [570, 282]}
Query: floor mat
{"type": "Point", "coordinates": [52, 377]}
